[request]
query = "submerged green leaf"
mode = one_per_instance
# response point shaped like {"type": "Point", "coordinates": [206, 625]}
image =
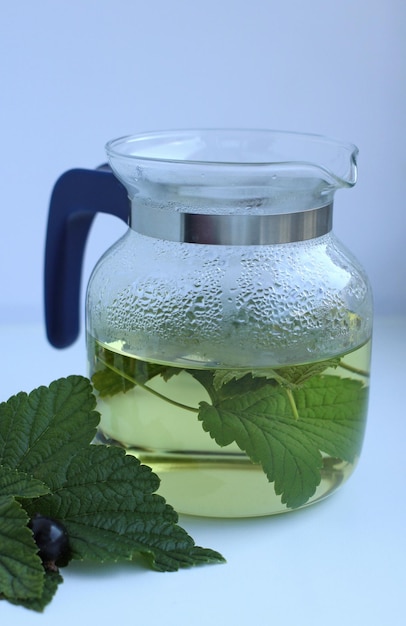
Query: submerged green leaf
{"type": "Point", "coordinates": [116, 373]}
{"type": "Point", "coordinates": [331, 420]}
{"type": "Point", "coordinates": [292, 376]}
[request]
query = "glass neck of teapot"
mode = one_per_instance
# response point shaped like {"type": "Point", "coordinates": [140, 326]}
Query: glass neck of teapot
{"type": "Point", "coordinates": [232, 187]}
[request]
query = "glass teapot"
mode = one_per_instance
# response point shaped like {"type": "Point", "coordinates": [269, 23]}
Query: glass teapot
{"type": "Point", "coordinates": [228, 330]}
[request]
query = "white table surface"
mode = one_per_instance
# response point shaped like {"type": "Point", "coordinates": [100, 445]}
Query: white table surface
{"type": "Point", "coordinates": [342, 561]}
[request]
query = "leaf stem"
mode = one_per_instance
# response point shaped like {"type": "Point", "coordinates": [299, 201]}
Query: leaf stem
{"type": "Point", "coordinates": [146, 388]}
{"type": "Point", "coordinates": [292, 403]}
{"type": "Point", "coordinates": [353, 369]}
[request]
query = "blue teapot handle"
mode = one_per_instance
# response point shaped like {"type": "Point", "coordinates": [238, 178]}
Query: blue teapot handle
{"type": "Point", "coordinates": [76, 198]}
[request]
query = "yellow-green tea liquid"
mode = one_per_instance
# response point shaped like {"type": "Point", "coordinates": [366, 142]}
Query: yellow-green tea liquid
{"type": "Point", "coordinates": [197, 476]}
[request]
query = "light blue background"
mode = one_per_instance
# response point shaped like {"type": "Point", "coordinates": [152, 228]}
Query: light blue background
{"type": "Point", "coordinates": [76, 73]}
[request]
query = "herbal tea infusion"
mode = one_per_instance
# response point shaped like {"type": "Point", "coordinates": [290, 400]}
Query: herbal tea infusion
{"type": "Point", "coordinates": [217, 438]}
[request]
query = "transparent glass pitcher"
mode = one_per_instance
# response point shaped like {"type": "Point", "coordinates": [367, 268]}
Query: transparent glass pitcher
{"type": "Point", "coordinates": [228, 330]}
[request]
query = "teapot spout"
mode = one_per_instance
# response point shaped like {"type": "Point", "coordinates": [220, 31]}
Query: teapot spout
{"type": "Point", "coordinates": [332, 162]}
{"type": "Point", "coordinates": [341, 164]}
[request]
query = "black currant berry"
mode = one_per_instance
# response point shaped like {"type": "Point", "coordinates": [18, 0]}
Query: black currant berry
{"type": "Point", "coordinates": [52, 540]}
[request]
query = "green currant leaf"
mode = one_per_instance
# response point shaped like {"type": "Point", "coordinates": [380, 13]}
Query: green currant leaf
{"type": "Point", "coordinates": [224, 377]}
{"type": "Point", "coordinates": [116, 373]}
{"type": "Point", "coordinates": [21, 570]}
{"type": "Point", "coordinates": [40, 431]}
{"type": "Point", "coordinates": [333, 413]}
{"type": "Point", "coordinates": [51, 582]}
{"type": "Point", "coordinates": [104, 498]}
{"type": "Point", "coordinates": [293, 376]}
{"type": "Point", "coordinates": [331, 418]}
{"type": "Point", "coordinates": [108, 505]}
{"type": "Point", "coordinates": [19, 484]}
